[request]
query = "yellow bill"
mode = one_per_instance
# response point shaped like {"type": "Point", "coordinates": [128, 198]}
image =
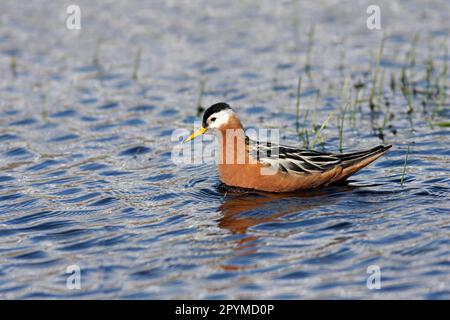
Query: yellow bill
{"type": "Point", "coordinates": [195, 134]}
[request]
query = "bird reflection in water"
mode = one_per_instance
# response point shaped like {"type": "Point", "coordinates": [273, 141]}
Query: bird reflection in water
{"type": "Point", "coordinates": [244, 210]}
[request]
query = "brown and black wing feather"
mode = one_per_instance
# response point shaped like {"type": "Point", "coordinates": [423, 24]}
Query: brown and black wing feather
{"type": "Point", "coordinates": [295, 160]}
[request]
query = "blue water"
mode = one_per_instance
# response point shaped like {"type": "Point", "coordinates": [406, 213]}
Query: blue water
{"type": "Point", "coordinates": [86, 176]}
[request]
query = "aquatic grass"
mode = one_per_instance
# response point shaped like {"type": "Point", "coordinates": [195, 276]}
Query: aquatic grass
{"type": "Point", "coordinates": [314, 116]}
{"type": "Point", "coordinates": [96, 55]}
{"type": "Point", "coordinates": [383, 126]}
{"type": "Point", "coordinates": [136, 63]}
{"type": "Point", "coordinates": [356, 102]}
{"type": "Point", "coordinates": [297, 104]}
{"type": "Point", "coordinates": [408, 81]}
{"type": "Point", "coordinates": [343, 110]}
{"type": "Point", "coordinates": [386, 113]}
{"type": "Point", "coordinates": [297, 29]}
{"type": "Point", "coordinates": [341, 127]}
{"type": "Point", "coordinates": [322, 127]}
{"type": "Point", "coordinates": [309, 49]}
{"type": "Point", "coordinates": [443, 124]}
{"type": "Point", "coordinates": [344, 88]}
{"type": "Point", "coordinates": [429, 71]}
{"type": "Point", "coordinates": [412, 57]}
{"type": "Point", "coordinates": [443, 80]}
{"type": "Point", "coordinates": [380, 88]}
{"type": "Point", "coordinates": [439, 91]}
{"type": "Point", "coordinates": [201, 93]}
{"type": "Point", "coordinates": [303, 134]}
{"type": "Point", "coordinates": [404, 168]}
{"type": "Point", "coordinates": [403, 77]}
{"type": "Point", "coordinates": [341, 65]}
{"type": "Point", "coordinates": [406, 92]}
{"type": "Point", "coordinates": [13, 66]}
{"type": "Point", "coordinates": [45, 103]}
{"type": "Point", "coordinates": [375, 74]}
{"type": "Point", "coordinates": [392, 83]}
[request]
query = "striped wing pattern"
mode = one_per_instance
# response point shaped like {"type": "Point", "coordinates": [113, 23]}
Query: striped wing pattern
{"type": "Point", "coordinates": [295, 160]}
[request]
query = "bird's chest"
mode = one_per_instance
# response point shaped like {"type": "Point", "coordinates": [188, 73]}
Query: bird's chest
{"type": "Point", "coordinates": [240, 175]}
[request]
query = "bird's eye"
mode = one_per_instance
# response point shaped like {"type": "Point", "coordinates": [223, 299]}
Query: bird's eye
{"type": "Point", "coordinates": [213, 119]}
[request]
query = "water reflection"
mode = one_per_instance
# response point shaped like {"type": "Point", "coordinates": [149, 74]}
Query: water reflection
{"type": "Point", "coordinates": [242, 211]}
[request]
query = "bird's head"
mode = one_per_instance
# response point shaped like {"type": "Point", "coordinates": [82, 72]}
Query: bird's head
{"type": "Point", "coordinates": [218, 116]}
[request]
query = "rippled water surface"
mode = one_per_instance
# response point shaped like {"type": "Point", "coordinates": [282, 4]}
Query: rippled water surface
{"type": "Point", "coordinates": [86, 176]}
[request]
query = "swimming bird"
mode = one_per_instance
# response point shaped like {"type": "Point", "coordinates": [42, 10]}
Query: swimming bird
{"type": "Point", "coordinates": [271, 167]}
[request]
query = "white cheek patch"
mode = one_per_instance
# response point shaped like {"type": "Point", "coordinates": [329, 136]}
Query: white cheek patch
{"type": "Point", "coordinates": [222, 117]}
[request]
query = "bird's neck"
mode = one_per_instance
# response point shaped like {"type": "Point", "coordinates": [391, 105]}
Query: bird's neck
{"type": "Point", "coordinates": [232, 144]}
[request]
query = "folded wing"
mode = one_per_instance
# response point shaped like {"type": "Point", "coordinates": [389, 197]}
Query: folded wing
{"type": "Point", "coordinates": [295, 160]}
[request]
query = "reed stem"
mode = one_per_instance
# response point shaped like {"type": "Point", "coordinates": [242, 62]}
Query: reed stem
{"type": "Point", "coordinates": [404, 168]}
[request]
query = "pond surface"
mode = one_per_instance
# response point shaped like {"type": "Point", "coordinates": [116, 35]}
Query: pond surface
{"type": "Point", "coordinates": [86, 176]}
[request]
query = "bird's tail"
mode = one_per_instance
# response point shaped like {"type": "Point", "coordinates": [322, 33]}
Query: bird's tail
{"type": "Point", "coordinates": [352, 158]}
{"type": "Point", "coordinates": [354, 161]}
